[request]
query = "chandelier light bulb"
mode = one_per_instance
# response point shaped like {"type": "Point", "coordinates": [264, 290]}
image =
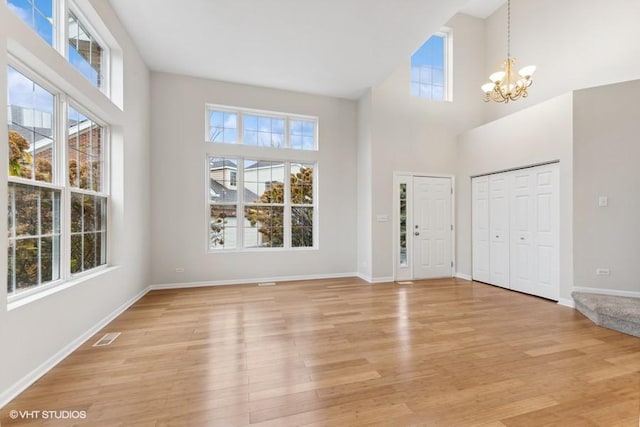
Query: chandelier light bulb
{"type": "Point", "coordinates": [498, 76]}
{"type": "Point", "coordinates": [487, 87]}
{"type": "Point", "coordinates": [527, 71]}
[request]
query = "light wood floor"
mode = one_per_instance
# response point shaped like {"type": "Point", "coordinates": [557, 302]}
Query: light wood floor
{"type": "Point", "coordinates": [341, 352]}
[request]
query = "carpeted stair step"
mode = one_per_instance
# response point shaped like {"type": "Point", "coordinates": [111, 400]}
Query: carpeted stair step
{"type": "Point", "coordinates": [613, 312]}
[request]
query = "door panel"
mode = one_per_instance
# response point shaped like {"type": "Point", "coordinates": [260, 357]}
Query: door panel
{"type": "Point", "coordinates": [432, 227]}
{"type": "Point", "coordinates": [499, 230]}
{"type": "Point", "coordinates": [546, 191]}
{"type": "Point", "coordinates": [522, 225]}
{"type": "Point", "coordinates": [480, 228]}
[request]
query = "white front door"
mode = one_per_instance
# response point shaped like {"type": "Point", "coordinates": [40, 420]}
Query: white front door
{"type": "Point", "coordinates": [432, 228]}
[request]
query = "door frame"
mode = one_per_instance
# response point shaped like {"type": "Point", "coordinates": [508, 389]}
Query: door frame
{"type": "Point", "coordinates": [406, 272]}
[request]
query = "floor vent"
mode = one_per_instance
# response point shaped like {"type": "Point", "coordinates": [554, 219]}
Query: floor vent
{"type": "Point", "coordinates": [405, 283]}
{"type": "Point", "coordinates": [107, 339]}
{"type": "Point", "coordinates": [267, 284]}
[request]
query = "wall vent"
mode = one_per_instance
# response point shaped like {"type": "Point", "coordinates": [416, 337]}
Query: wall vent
{"type": "Point", "coordinates": [107, 339]}
{"type": "Point", "coordinates": [267, 284]}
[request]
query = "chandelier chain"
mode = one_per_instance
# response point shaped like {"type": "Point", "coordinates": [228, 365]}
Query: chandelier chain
{"type": "Point", "coordinates": [509, 29]}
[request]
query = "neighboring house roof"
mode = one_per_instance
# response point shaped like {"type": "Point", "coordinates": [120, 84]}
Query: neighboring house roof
{"type": "Point", "coordinates": [224, 163]}
{"type": "Point", "coordinates": [263, 164]}
{"type": "Point", "coordinates": [220, 193]}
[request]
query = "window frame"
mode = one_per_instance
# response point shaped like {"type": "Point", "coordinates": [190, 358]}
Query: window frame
{"type": "Point", "coordinates": [60, 181]}
{"type": "Point", "coordinates": [105, 56]}
{"type": "Point", "coordinates": [61, 9]}
{"type": "Point", "coordinates": [241, 204]}
{"type": "Point", "coordinates": [447, 93]}
{"type": "Point", "coordinates": [241, 112]}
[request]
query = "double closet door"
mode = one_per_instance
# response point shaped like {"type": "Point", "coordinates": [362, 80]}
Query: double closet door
{"type": "Point", "coordinates": [515, 230]}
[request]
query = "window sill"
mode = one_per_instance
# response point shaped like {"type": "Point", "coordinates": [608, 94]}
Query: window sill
{"type": "Point", "coordinates": [20, 300]}
{"type": "Point", "coordinates": [262, 250]}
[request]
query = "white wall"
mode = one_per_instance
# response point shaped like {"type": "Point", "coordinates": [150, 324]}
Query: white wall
{"type": "Point", "coordinates": [364, 211]}
{"type": "Point", "coordinates": [574, 43]}
{"type": "Point", "coordinates": [606, 155]}
{"type": "Point", "coordinates": [412, 134]}
{"type": "Point", "coordinates": [538, 134]}
{"type": "Point", "coordinates": [36, 334]}
{"type": "Point", "coordinates": [179, 213]}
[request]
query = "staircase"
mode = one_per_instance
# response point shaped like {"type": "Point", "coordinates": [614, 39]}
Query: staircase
{"type": "Point", "coordinates": [617, 313]}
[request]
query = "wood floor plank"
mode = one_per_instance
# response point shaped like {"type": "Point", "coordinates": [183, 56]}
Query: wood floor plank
{"type": "Point", "coordinates": [341, 352]}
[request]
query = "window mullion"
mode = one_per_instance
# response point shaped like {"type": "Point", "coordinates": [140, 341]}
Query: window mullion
{"type": "Point", "coordinates": [286, 221]}
{"type": "Point", "coordinates": [240, 205]}
{"type": "Point", "coordinates": [62, 177]}
{"type": "Point", "coordinates": [61, 28]}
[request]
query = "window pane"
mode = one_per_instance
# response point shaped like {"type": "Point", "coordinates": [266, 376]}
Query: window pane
{"type": "Point", "coordinates": [85, 53]}
{"type": "Point", "coordinates": [301, 227]}
{"type": "Point", "coordinates": [85, 152]}
{"type": "Point", "coordinates": [301, 183]}
{"type": "Point", "coordinates": [222, 232]}
{"type": "Point", "coordinates": [263, 227]}
{"type": "Point", "coordinates": [427, 69]}
{"type": "Point", "coordinates": [37, 14]}
{"type": "Point", "coordinates": [223, 180]}
{"type": "Point", "coordinates": [88, 232]}
{"type": "Point", "coordinates": [222, 126]}
{"type": "Point", "coordinates": [34, 236]}
{"type": "Point", "coordinates": [302, 134]}
{"type": "Point", "coordinates": [31, 128]}
{"type": "Point", "coordinates": [26, 263]}
{"type": "Point", "coordinates": [264, 181]}
{"type": "Point", "coordinates": [263, 131]}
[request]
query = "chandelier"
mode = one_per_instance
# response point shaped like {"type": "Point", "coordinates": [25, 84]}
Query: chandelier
{"type": "Point", "coordinates": [505, 86]}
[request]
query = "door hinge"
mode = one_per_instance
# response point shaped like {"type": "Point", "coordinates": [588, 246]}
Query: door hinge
{"type": "Point", "coordinates": [451, 227]}
{"type": "Point", "coordinates": [451, 264]}
{"type": "Point", "coordinates": [451, 190]}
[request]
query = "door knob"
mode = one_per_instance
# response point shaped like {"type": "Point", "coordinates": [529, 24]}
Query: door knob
{"type": "Point", "coordinates": [522, 238]}
{"type": "Point", "coordinates": [417, 233]}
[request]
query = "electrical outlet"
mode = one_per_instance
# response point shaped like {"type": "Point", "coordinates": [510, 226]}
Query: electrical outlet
{"type": "Point", "coordinates": [179, 270]}
{"type": "Point", "coordinates": [603, 272]}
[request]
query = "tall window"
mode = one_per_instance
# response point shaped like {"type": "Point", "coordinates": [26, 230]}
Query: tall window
{"type": "Point", "coordinates": [430, 68]}
{"type": "Point", "coordinates": [84, 52]}
{"type": "Point", "coordinates": [233, 126]}
{"type": "Point", "coordinates": [271, 207]}
{"type": "Point", "coordinates": [85, 153]}
{"type": "Point", "coordinates": [34, 206]}
{"type": "Point", "coordinates": [44, 246]}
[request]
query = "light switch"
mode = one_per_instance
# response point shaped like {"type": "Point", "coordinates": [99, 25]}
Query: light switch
{"type": "Point", "coordinates": [603, 201]}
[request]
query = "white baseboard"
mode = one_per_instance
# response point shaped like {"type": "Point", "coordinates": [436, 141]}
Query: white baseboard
{"type": "Point", "coordinates": [251, 281]}
{"type": "Point", "coordinates": [612, 292]}
{"type": "Point", "coordinates": [566, 302]}
{"type": "Point", "coordinates": [45, 367]}
{"type": "Point", "coordinates": [463, 276]}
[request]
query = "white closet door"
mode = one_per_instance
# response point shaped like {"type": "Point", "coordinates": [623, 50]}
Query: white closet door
{"type": "Point", "coordinates": [546, 243]}
{"type": "Point", "coordinates": [480, 228]}
{"type": "Point", "coordinates": [522, 212]}
{"type": "Point", "coordinates": [499, 229]}
{"type": "Point", "coordinates": [535, 232]}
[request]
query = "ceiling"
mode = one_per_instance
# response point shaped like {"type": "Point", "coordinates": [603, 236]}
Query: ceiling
{"type": "Point", "coordinates": [329, 47]}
